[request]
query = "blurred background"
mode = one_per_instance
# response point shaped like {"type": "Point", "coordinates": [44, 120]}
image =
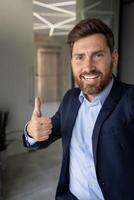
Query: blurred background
{"type": "Point", "coordinates": [35, 60]}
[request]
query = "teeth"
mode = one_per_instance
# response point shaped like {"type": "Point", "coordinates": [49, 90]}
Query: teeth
{"type": "Point", "coordinates": [87, 77]}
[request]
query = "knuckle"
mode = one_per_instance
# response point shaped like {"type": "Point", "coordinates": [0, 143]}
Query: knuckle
{"type": "Point", "coordinates": [46, 137]}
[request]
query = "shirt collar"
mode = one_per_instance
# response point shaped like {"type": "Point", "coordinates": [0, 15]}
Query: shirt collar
{"type": "Point", "coordinates": [101, 96]}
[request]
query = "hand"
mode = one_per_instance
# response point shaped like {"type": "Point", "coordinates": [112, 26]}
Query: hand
{"type": "Point", "coordinates": [39, 127]}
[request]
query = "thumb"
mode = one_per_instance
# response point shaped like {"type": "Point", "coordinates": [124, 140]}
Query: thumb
{"type": "Point", "coordinates": [37, 107]}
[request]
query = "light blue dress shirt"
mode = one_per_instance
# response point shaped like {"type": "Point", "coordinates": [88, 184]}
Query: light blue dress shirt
{"type": "Point", "coordinates": [83, 180]}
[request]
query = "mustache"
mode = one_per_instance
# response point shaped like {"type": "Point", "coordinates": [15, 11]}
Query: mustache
{"type": "Point", "coordinates": [91, 73]}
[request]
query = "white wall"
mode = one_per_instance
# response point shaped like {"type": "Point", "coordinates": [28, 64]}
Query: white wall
{"type": "Point", "coordinates": [16, 62]}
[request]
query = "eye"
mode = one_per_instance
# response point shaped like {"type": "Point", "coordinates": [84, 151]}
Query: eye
{"type": "Point", "coordinates": [98, 55]}
{"type": "Point", "coordinates": [79, 57]}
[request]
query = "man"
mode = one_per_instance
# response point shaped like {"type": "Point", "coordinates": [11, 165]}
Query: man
{"type": "Point", "coordinates": [95, 122]}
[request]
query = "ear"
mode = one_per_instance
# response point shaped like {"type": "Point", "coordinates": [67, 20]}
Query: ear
{"type": "Point", "coordinates": [115, 58]}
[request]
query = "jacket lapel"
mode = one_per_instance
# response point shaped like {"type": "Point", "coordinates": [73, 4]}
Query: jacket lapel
{"type": "Point", "coordinates": [106, 110]}
{"type": "Point", "coordinates": [70, 117]}
{"type": "Point", "coordinates": [73, 111]}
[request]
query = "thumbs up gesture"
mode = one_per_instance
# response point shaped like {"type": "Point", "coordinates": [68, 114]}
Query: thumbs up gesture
{"type": "Point", "coordinates": [39, 127]}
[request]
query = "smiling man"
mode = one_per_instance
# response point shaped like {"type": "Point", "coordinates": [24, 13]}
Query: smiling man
{"type": "Point", "coordinates": [92, 64]}
{"type": "Point", "coordinates": [95, 122]}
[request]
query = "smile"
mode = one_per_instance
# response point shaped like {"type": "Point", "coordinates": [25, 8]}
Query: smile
{"type": "Point", "coordinates": [88, 77]}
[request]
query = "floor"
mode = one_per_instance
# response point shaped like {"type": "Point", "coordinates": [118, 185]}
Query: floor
{"type": "Point", "coordinates": [32, 175]}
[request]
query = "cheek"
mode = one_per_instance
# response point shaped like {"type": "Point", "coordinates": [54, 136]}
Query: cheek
{"type": "Point", "coordinates": [106, 67]}
{"type": "Point", "coordinates": [76, 71]}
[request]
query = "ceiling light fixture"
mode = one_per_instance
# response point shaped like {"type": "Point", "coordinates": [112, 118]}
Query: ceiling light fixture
{"type": "Point", "coordinates": [54, 8]}
{"type": "Point", "coordinates": [60, 12]}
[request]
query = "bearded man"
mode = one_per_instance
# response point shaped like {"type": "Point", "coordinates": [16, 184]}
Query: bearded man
{"type": "Point", "coordinates": [95, 122]}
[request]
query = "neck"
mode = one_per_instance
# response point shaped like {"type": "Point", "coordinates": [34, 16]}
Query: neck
{"type": "Point", "coordinates": [90, 97]}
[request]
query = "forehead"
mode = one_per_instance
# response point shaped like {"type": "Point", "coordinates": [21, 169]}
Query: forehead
{"type": "Point", "coordinates": [96, 41]}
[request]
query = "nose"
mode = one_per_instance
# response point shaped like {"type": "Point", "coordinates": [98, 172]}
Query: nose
{"type": "Point", "coordinates": [89, 63]}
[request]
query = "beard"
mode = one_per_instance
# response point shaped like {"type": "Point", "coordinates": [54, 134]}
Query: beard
{"type": "Point", "coordinates": [95, 88]}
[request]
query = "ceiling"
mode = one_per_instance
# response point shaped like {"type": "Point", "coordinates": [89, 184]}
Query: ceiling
{"type": "Point", "coordinates": [54, 17]}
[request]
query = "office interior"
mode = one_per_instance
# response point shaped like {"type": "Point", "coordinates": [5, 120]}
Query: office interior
{"type": "Point", "coordinates": [35, 61]}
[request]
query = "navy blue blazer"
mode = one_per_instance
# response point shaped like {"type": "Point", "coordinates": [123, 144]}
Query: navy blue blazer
{"type": "Point", "coordinates": [113, 142]}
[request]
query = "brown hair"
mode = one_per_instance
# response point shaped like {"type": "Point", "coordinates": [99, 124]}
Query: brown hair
{"type": "Point", "coordinates": [89, 27]}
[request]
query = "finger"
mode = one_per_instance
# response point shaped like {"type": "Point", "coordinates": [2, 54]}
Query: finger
{"type": "Point", "coordinates": [43, 138]}
{"type": "Point", "coordinates": [45, 124]}
{"type": "Point", "coordinates": [42, 121]}
{"type": "Point", "coordinates": [43, 135]}
{"type": "Point", "coordinates": [43, 130]}
{"type": "Point", "coordinates": [37, 107]}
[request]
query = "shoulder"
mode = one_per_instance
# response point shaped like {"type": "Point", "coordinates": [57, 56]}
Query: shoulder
{"type": "Point", "coordinates": [72, 93]}
{"type": "Point", "coordinates": [128, 98]}
{"type": "Point", "coordinates": [70, 98]}
{"type": "Point", "coordinates": [130, 92]}
{"type": "Point", "coordinates": [127, 88]}
{"type": "Point", "coordinates": [122, 87]}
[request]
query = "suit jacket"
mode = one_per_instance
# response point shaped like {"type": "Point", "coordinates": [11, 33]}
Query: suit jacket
{"type": "Point", "coordinates": [113, 142]}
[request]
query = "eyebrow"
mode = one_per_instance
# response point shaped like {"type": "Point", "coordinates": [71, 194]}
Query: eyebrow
{"type": "Point", "coordinates": [78, 54]}
{"type": "Point", "coordinates": [99, 51]}
{"type": "Point", "coordinates": [95, 52]}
